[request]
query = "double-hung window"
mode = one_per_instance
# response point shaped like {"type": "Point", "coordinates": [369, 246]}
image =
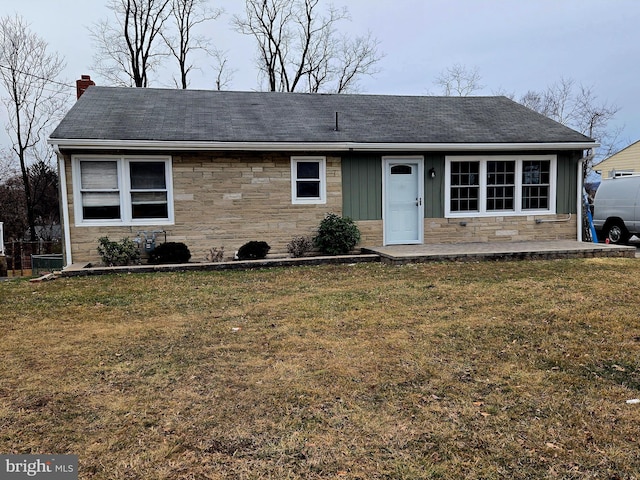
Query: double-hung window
{"type": "Point", "coordinates": [308, 180]}
{"type": "Point", "coordinates": [499, 185]}
{"type": "Point", "coordinates": [99, 190]}
{"type": "Point", "coordinates": [501, 178]}
{"type": "Point", "coordinates": [122, 190]}
{"type": "Point", "coordinates": [148, 190]}
{"type": "Point", "coordinates": [536, 184]}
{"type": "Point", "coordinates": [464, 186]}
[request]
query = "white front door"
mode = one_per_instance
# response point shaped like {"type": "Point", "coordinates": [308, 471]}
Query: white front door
{"type": "Point", "coordinates": [403, 212]}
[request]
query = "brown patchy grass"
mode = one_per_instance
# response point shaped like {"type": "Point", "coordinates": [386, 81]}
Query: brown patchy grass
{"type": "Point", "coordinates": [477, 371]}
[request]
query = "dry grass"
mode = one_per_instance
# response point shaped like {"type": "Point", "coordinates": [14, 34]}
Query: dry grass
{"type": "Point", "coordinates": [487, 370]}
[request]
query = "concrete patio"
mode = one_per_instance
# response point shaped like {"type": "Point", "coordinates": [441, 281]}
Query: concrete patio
{"type": "Point", "coordinates": [540, 250]}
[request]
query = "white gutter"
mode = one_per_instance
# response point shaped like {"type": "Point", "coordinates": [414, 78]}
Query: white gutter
{"type": "Point", "coordinates": [142, 145]}
{"type": "Point", "coordinates": [64, 207]}
{"type": "Point", "coordinates": [93, 144]}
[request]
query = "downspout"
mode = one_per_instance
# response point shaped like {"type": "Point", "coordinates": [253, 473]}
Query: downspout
{"type": "Point", "coordinates": [590, 154]}
{"type": "Point", "coordinates": [64, 206]}
{"type": "Point", "coordinates": [579, 198]}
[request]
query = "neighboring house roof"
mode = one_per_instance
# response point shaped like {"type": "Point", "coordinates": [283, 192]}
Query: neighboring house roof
{"type": "Point", "coordinates": [146, 117]}
{"type": "Point", "coordinates": [627, 160]}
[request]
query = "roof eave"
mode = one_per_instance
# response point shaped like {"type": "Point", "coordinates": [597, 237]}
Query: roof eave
{"type": "Point", "coordinates": [146, 145]}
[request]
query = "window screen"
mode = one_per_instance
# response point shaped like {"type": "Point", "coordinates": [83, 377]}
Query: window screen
{"type": "Point", "coordinates": [100, 192]}
{"type": "Point", "coordinates": [148, 190]}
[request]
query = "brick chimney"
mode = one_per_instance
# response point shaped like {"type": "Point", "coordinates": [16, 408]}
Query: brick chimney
{"type": "Point", "coordinates": [84, 83]}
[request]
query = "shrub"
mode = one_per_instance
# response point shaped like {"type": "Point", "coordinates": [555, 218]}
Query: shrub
{"type": "Point", "coordinates": [337, 235]}
{"type": "Point", "coordinates": [299, 246]}
{"type": "Point", "coordinates": [125, 252]}
{"type": "Point", "coordinates": [253, 250]}
{"type": "Point", "coordinates": [170, 252]}
{"type": "Point", "coordinates": [215, 255]}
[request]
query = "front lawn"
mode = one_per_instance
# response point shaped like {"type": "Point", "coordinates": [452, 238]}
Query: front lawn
{"type": "Point", "coordinates": [445, 370]}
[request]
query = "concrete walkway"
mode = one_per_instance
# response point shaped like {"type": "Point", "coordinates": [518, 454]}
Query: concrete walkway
{"type": "Point", "coordinates": [553, 249]}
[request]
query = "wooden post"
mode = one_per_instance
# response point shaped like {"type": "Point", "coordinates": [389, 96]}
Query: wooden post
{"type": "Point", "coordinates": [13, 259]}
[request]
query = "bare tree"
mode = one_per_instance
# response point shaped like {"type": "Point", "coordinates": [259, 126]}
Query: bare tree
{"type": "Point", "coordinates": [44, 185]}
{"type": "Point", "coordinates": [556, 102]}
{"type": "Point", "coordinates": [223, 73]}
{"type": "Point", "coordinates": [34, 98]}
{"type": "Point", "coordinates": [7, 164]}
{"type": "Point", "coordinates": [577, 106]}
{"type": "Point", "coordinates": [458, 80]}
{"type": "Point", "coordinates": [12, 214]}
{"type": "Point", "coordinates": [129, 50]}
{"type": "Point", "coordinates": [357, 57]}
{"type": "Point", "coordinates": [43, 181]}
{"type": "Point", "coordinates": [299, 49]}
{"type": "Point", "coordinates": [187, 15]}
{"type": "Point", "coordinates": [593, 120]}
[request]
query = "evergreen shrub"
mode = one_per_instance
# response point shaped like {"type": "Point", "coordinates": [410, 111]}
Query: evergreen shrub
{"type": "Point", "coordinates": [125, 252]}
{"type": "Point", "coordinates": [170, 252]}
{"type": "Point", "coordinates": [253, 250]}
{"type": "Point", "coordinates": [336, 235]}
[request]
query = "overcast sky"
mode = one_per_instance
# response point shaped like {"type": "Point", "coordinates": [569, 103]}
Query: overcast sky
{"type": "Point", "coordinates": [516, 45]}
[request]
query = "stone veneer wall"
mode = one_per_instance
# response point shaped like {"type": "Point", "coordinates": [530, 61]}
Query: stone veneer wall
{"type": "Point", "coordinates": [500, 229]}
{"type": "Point", "coordinates": [225, 200]}
{"type": "Point", "coordinates": [485, 229]}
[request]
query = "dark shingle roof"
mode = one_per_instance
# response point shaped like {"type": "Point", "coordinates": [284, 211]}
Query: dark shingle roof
{"type": "Point", "coordinates": [145, 114]}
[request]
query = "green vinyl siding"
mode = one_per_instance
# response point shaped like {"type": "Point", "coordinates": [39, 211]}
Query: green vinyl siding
{"type": "Point", "coordinates": [434, 187]}
{"type": "Point", "coordinates": [362, 187]}
{"type": "Point", "coordinates": [566, 192]}
{"type": "Point", "coordinates": [362, 184]}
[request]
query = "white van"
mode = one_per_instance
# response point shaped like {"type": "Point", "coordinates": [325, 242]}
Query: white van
{"type": "Point", "coordinates": [616, 208]}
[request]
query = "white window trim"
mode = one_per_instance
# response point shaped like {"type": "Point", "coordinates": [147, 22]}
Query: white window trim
{"type": "Point", "coordinates": [124, 186]}
{"type": "Point", "coordinates": [482, 200]}
{"type": "Point", "coordinates": [322, 199]}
